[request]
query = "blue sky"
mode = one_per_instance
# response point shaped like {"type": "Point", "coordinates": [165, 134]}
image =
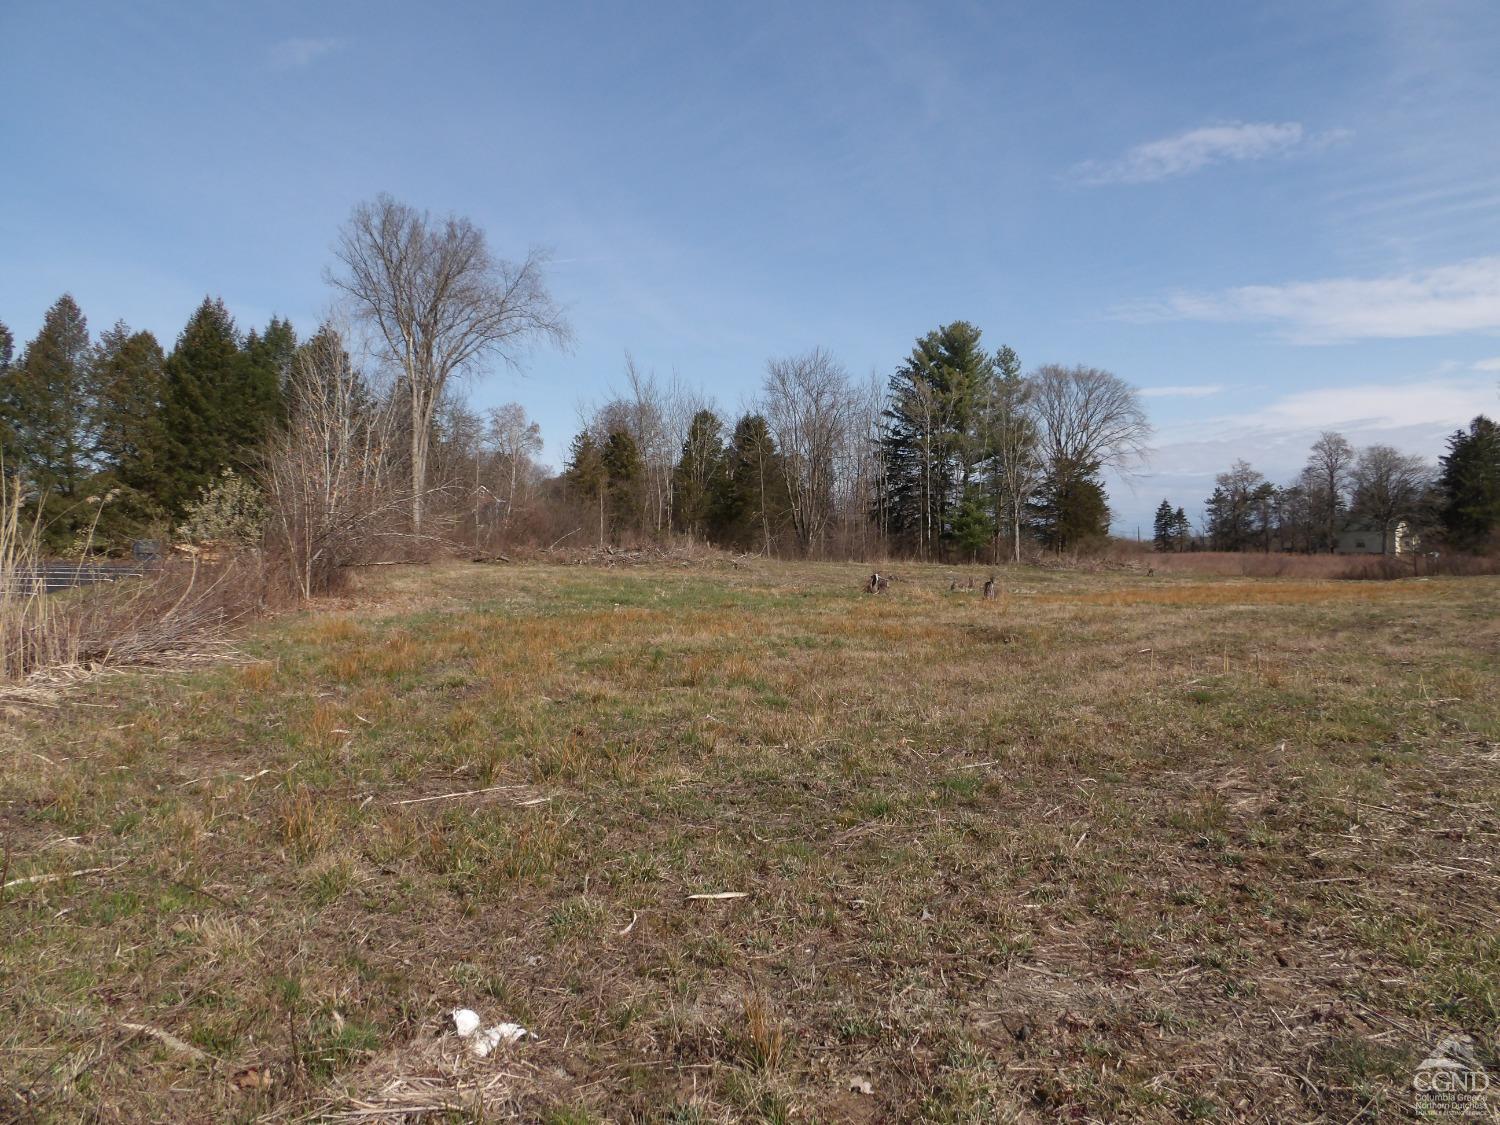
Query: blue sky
{"type": "Point", "coordinates": [1274, 218]}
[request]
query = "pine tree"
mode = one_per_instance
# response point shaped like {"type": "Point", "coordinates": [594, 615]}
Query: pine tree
{"type": "Point", "coordinates": [749, 505]}
{"type": "Point", "coordinates": [1164, 531]}
{"type": "Point", "coordinates": [1070, 509]}
{"type": "Point", "coordinates": [7, 437]}
{"type": "Point", "coordinates": [933, 444]}
{"type": "Point", "coordinates": [46, 405]}
{"type": "Point", "coordinates": [973, 524]}
{"type": "Point", "coordinates": [584, 477]}
{"type": "Point", "coordinates": [1182, 530]}
{"type": "Point", "coordinates": [130, 439]}
{"type": "Point", "coordinates": [625, 472]}
{"type": "Point", "coordinates": [1238, 508]}
{"type": "Point", "coordinates": [270, 355]}
{"type": "Point", "coordinates": [208, 417]}
{"type": "Point", "coordinates": [129, 383]}
{"type": "Point", "coordinates": [693, 479]}
{"type": "Point", "coordinates": [1470, 485]}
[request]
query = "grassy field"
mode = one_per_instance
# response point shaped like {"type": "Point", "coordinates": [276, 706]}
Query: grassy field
{"type": "Point", "coordinates": [1112, 847]}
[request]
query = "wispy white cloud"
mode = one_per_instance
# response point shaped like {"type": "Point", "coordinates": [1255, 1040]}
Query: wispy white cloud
{"type": "Point", "coordinates": [1196, 149]}
{"type": "Point", "coordinates": [1445, 301]}
{"type": "Point", "coordinates": [1439, 401]}
{"type": "Point", "coordinates": [1192, 390]}
{"type": "Point", "coordinates": [1488, 364]}
{"type": "Point", "coordinates": [291, 54]}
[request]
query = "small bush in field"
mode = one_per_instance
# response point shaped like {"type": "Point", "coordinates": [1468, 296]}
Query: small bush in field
{"type": "Point", "coordinates": [230, 510]}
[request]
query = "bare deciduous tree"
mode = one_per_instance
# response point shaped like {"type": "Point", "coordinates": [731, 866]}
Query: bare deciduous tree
{"type": "Point", "coordinates": [327, 475]}
{"type": "Point", "coordinates": [1014, 443]}
{"type": "Point", "coordinates": [1388, 485]}
{"type": "Point", "coordinates": [441, 305]}
{"type": "Point", "coordinates": [808, 403]}
{"type": "Point", "coordinates": [1329, 468]}
{"type": "Point", "coordinates": [1088, 417]}
{"type": "Point", "coordinates": [516, 440]}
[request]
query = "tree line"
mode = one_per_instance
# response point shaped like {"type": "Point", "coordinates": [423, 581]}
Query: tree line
{"type": "Point", "coordinates": [959, 455]}
{"type": "Point", "coordinates": [119, 435]}
{"type": "Point", "coordinates": [355, 438]}
{"type": "Point", "coordinates": [1456, 501]}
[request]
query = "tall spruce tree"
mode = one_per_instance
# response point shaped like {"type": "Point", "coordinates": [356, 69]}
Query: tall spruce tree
{"type": "Point", "coordinates": [750, 502]}
{"type": "Point", "coordinates": [1470, 485]}
{"type": "Point", "coordinates": [45, 401]}
{"type": "Point", "coordinates": [625, 474]}
{"type": "Point", "coordinates": [1070, 509]}
{"type": "Point", "coordinates": [220, 400]}
{"type": "Point", "coordinates": [933, 444]}
{"type": "Point", "coordinates": [693, 478]}
{"type": "Point", "coordinates": [1164, 531]}
{"type": "Point", "coordinates": [270, 354]}
{"type": "Point", "coordinates": [584, 476]}
{"type": "Point", "coordinates": [129, 385]}
{"type": "Point", "coordinates": [7, 355]}
{"type": "Point", "coordinates": [199, 404]}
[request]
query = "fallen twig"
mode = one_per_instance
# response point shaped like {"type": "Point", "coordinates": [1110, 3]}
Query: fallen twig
{"type": "Point", "coordinates": [26, 880]}
{"type": "Point", "coordinates": [461, 793]}
{"type": "Point", "coordinates": [166, 1038]}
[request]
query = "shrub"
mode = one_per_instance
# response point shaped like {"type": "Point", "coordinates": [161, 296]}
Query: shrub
{"type": "Point", "coordinates": [229, 511]}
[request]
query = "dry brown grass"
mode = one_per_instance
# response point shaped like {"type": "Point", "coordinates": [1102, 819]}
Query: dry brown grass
{"type": "Point", "coordinates": [1247, 564]}
{"type": "Point", "coordinates": [1114, 849]}
{"type": "Point", "coordinates": [1250, 593]}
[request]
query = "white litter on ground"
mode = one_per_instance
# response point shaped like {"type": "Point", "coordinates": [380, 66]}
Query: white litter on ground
{"type": "Point", "coordinates": [466, 1023]}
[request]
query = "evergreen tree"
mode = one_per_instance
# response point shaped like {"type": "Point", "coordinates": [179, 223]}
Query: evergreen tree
{"type": "Point", "coordinates": [129, 382]}
{"type": "Point", "coordinates": [749, 503]}
{"type": "Point", "coordinates": [270, 355]}
{"type": "Point", "coordinates": [933, 443]}
{"type": "Point", "coordinates": [1239, 508]}
{"type": "Point", "coordinates": [694, 477]}
{"type": "Point", "coordinates": [1164, 531]}
{"type": "Point", "coordinates": [625, 472]}
{"type": "Point", "coordinates": [48, 414]}
{"type": "Point", "coordinates": [1070, 509]}
{"type": "Point", "coordinates": [1470, 485]}
{"type": "Point", "coordinates": [214, 405]}
{"type": "Point", "coordinates": [584, 476]}
{"type": "Point", "coordinates": [130, 439]}
{"type": "Point", "coordinates": [1182, 529]}
{"type": "Point", "coordinates": [7, 438]}
{"type": "Point", "coordinates": [973, 524]}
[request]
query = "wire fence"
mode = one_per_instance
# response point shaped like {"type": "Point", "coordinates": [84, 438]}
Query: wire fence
{"type": "Point", "coordinates": [51, 577]}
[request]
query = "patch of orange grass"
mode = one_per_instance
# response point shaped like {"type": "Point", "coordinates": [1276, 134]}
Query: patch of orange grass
{"type": "Point", "coordinates": [257, 677]}
{"type": "Point", "coordinates": [340, 628]}
{"type": "Point", "coordinates": [328, 725]}
{"type": "Point", "coordinates": [395, 657]}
